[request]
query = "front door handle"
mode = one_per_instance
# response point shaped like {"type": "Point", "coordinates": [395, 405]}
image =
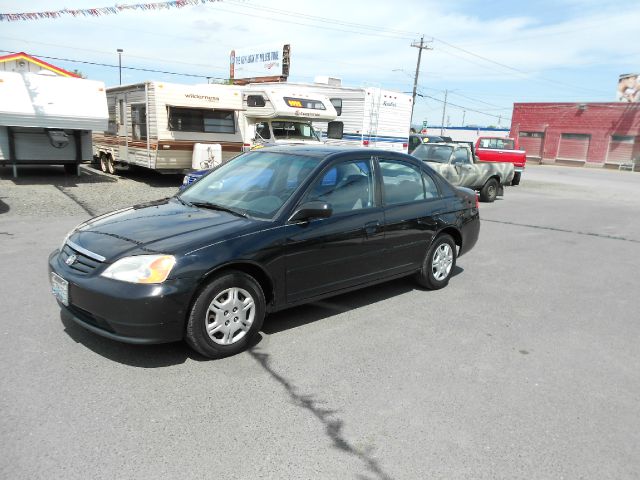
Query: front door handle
{"type": "Point", "coordinates": [371, 228]}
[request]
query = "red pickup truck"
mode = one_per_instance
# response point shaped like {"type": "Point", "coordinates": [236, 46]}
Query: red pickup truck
{"type": "Point", "coordinates": [498, 149]}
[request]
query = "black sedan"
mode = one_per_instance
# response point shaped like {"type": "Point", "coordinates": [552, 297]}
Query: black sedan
{"type": "Point", "coordinates": [270, 229]}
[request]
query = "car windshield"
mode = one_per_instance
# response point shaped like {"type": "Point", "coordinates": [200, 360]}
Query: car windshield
{"type": "Point", "coordinates": [433, 153]}
{"type": "Point", "coordinates": [256, 183]}
{"type": "Point", "coordinates": [293, 131]}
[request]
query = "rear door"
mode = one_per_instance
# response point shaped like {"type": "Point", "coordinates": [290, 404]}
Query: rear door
{"type": "Point", "coordinates": [412, 204]}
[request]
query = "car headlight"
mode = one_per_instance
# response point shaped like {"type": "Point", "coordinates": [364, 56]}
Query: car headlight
{"type": "Point", "coordinates": [141, 269]}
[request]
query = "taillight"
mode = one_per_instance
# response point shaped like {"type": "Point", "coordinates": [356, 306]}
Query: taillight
{"type": "Point", "coordinates": [405, 145]}
{"type": "Point", "coordinates": [365, 143]}
{"type": "Point", "coordinates": [477, 200]}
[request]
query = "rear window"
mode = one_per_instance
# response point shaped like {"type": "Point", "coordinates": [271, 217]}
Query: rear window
{"type": "Point", "coordinates": [497, 143]}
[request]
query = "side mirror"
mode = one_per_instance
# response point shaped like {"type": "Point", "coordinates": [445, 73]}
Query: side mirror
{"type": "Point", "coordinates": [310, 210]}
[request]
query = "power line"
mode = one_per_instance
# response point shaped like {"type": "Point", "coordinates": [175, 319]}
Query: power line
{"type": "Point", "coordinates": [463, 107]}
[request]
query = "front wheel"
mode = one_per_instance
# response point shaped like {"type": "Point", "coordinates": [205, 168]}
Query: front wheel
{"type": "Point", "coordinates": [490, 191]}
{"type": "Point", "coordinates": [226, 315]}
{"type": "Point", "coordinates": [439, 263]}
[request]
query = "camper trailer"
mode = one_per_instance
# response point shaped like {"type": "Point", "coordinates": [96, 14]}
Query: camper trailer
{"type": "Point", "coordinates": [175, 128]}
{"type": "Point", "coordinates": [366, 116]}
{"type": "Point", "coordinates": [156, 125]}
{"type": "Point", "coordinates": [47, 119]}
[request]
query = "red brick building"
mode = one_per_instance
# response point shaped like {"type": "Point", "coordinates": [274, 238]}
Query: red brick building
{"type": "Point", "coordinates": [590, 134]}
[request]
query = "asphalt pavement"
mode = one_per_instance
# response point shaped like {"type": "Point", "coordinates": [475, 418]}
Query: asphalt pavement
{"type": "Point", "coordinates": [527, 366]}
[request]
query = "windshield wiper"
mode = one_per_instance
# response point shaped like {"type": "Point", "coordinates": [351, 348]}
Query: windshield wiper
{"type": "Point", "coordinates": [215, 206]}
{"type": "Point", "coordinates": [185, 203]}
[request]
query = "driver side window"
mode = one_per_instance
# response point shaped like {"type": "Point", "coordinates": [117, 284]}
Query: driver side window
{"type": "Point", "coordinates": [346, 186]}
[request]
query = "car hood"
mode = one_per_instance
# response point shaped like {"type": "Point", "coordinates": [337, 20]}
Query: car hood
{"type": "Point", "coordinates": [164, 226]}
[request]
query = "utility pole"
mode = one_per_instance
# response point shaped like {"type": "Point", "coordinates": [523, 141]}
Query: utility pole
{"type": "Point", "coordinates": [120, 63]}
{"type": "Point", "coordinates": [420, 46]}
{"type": "Point", "coordinates": [444, 111]}
{"type": "Point", "coordinates": [464, 112]}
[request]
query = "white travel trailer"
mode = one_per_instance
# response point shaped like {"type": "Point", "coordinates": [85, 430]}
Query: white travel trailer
{"type": "Point", "coordinates": [366, 116]}
{"type": "Point", "coordinates": [47, 119]}
{"type": "Point", "coordinates": [172, 127]}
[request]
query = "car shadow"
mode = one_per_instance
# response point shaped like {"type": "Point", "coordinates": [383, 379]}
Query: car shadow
{"type": "Point", "coordinates": [316, 311]}
{"type": "Point", "coordinates": [51, 175]}
{"type": "Point", "coordinates": [176, 353]}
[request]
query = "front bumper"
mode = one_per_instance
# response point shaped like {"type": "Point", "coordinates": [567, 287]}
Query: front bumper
{"type": "Point", "coordinates": [131, 313]}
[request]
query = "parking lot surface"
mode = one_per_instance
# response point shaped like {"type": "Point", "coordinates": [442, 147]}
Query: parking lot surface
{"type": "Point", "coordinates": [526, 366]}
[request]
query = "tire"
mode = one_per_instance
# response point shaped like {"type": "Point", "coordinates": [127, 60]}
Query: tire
{"type": "Point", "coordinates": [516, 179]}
{"type": "Point", "coordinates": [103, 162]}
{"type": "Point", "coordinates": [111, 168]}
{"type": "Point", "coordinates": [490, 191]}
{"type": "Point", "coordinates": [71, 168]}
{"type": "Point", "coordinates": [228, 336]}
{"type": "Point", "coordinates": [438, 264]}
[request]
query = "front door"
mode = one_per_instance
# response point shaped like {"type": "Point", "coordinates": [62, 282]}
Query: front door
{"type": "Point", "coordinates": [326, 255]}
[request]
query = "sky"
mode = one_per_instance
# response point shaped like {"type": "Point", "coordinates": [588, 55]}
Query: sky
{"type": "Point", "coordinates": [487, 55]}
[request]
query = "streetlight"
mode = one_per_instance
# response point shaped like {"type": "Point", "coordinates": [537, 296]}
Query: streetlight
{"type": "Point", "coordinates": [120, 63]}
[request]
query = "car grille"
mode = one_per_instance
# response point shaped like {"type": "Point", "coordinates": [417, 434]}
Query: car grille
{"type": "Point", "coordinates": [83, 264]}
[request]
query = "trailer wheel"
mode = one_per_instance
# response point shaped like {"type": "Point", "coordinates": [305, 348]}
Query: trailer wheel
{"type": "Point", "coordinates": [103, 162]}
{"type": "Point", "coordinates": [111, 168]}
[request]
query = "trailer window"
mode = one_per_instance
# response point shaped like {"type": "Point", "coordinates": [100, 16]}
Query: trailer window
{"type": "Point", "coordinates": [139, 121]}
{"type": "Point", "coordinates": [201, 120]}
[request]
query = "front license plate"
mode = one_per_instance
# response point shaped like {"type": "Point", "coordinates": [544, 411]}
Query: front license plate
{"type": "Point", "coordinates": [60, 288]}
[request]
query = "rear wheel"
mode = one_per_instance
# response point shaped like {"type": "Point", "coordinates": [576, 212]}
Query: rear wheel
{"type": "Point", "coordinates": [516, 179]}
{"type": "Point", "coordinates": [490, 191]}
{"type": "Point", "coordinates": [438, 264]}
{"type": "Point", "coordinates": [227, 314]}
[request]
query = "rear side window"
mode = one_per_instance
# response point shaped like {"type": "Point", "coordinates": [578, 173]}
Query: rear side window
{"type": "Point", "coordinates": [431, 190]}
{"type": "Point", "coordinates": [402, 182]}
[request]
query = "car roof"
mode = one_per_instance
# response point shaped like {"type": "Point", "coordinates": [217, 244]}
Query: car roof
{"type": "Point", "coordinates": [325, 151]}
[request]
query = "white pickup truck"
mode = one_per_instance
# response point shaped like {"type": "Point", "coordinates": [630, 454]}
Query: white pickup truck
{"type": "Point", "coordinates": [456, 163]}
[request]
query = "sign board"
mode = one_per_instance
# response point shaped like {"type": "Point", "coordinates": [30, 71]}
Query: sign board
{"type": "Point", "coordinates": [628, 88]}
{"type": "Point", "coordinates": [257, 62]}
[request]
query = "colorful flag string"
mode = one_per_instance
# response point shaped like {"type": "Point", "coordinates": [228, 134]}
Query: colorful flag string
{"type": "Point", "coordinates": [98, 12]}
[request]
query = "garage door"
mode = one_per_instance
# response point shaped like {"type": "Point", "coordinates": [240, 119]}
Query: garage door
{"type": "Point", "coordinates": [620, 149]}
{"type": "Point", "coordinates": [532, 142]}
{"type": "Point", "coordinates": [574, 146]}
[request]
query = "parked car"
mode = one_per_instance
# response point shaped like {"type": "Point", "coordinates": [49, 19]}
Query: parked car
{"type": "Point", "coordinates": [416, 139]}
{"type": "Point", "coordinates": [270, 229]}
{"type": "Point", "coordinates": [498, 149]}
{"type": "Point", "coordinates": [455, 162]}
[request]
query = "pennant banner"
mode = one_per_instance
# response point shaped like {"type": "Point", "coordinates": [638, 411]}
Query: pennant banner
{"type": "Point", "coordinates": [97, 12]}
